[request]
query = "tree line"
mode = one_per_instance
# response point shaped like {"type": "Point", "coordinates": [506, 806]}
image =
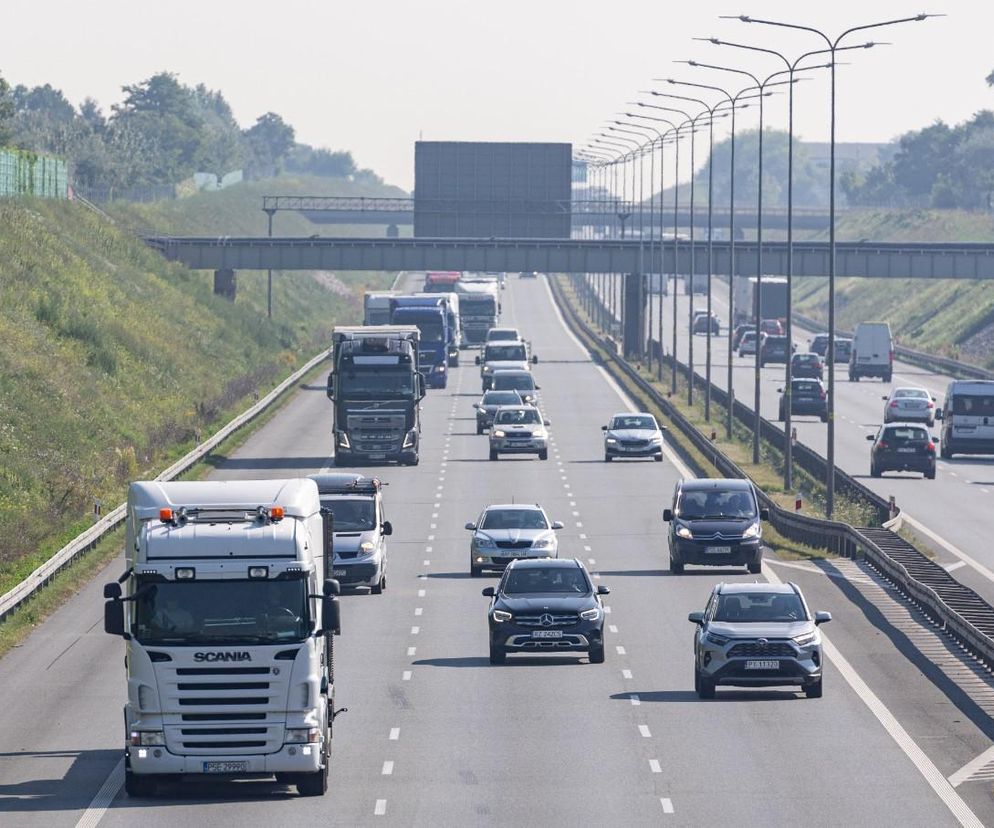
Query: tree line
{"type": "Point", "coordinates": [161, 133]}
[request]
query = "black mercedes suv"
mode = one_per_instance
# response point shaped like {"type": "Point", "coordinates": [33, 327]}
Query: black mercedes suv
{"type": "Point", "coordinates": [546, 605]}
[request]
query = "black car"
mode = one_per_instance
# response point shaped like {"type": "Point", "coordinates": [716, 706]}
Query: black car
{"type": "Point", "coordinates": [546, 605]}
{"type": "Point", "coordinates": [740, 331]}
{"type": "Point", "coordinates": [807, 396]}
{"type": "Point", "coordinates": [715, 522]}
{"type": "Point", "coordinates": [774, 348]}
{"type": "Point", "coordinates": [843, 347]}
{"type": "Point", "coordinates": [902, 447]}
{"type": "Point", "coordinates": [701, 323]}
{"type": "Point", "coordinates": [807, 365]}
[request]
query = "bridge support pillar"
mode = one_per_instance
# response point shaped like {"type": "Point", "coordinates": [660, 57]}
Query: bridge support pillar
{"type": "Point", "coordinates": [224, 283]}
{"type": "Point", "coordinates": [633, 315]}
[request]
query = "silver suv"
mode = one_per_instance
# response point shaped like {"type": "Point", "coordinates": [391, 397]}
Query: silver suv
{"type": "Point", "coordinates": [508, 531]}
{"type": "Point", "coordinates": [519, 430]}
{"type": "Point", "coordinates": [757, 635]}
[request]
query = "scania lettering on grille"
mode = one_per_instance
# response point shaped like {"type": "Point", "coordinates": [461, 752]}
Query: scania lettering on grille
{"type": "Point", "coordinates": [236, 656]}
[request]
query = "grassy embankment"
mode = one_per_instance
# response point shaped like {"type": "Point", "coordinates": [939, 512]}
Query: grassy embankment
{"type": "Point", "coordinates": [951, 317]}
{"type": "Point", "coordinates": [115, 361]}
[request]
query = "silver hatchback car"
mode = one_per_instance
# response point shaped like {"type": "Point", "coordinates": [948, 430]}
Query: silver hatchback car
{"type": "Point", "coordinates": [506, 532]}
{"type": "Point", "coordinates": [757, 635]}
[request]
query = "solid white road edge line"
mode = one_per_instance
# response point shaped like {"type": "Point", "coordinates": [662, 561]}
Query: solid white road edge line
{"type": "Point", "coordinates": [101, 802]}
{"type": "Point", "coordinates": [953, 550]}
{"type": "Point", "coordinates": [943, 789]}
{"type": "Point", "coordinates": [933, 776]}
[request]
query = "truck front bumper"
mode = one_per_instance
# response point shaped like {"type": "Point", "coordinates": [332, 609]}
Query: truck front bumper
{"type": "Point", "coordinates": [289, 759]}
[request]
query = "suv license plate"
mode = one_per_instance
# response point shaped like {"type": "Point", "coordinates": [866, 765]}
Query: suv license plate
{"type": "Point", "coordinates": [547, 634]}
{"type": "Point", "coordinates": [762, 665]}
{"type": "Point", "coordinates": [225, 767]}
{"type": "Point", "coordinates": [906, 451]}
{"type": "Point", "coordinates": [718, 550]}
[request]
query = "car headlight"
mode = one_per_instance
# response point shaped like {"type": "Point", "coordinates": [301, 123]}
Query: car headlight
{"type": "Point", "coordinates": [301, 735]}
{"type": "Point", "coordinates": [487, 369]}
{"type": "Point", "coordinates": [500, 616]}
{"type": "Point", "coordinates": [656, 438]}
{"type": "Point", "coordinates": [611, 441]}
{"type": "Point", "coordinates": [410, 438]}
{"type": "Point", "coordinates": [498, 433]}
{"type": "Point", "coordinates": [147, 737]}
{"type": "Point", "coordinates": [343, 440]}
{"type": "Point", "coordinates": [542, 543]}
{"type": "Point", "coordinates": [591, 614]}
{"type": "Point", "coordinates": [805, 639]}
{"type": "Point", "coordinates": [753, 531]}
{"type": "Point", "coordinates": [717, 640]}
{"type": "Point", "coordinates": [366, 547]}
{"type": "Point", "coordinates": [684, 532]}
{"type": "Point", "coordinates": [540, 435]}
{"type": "Point", "coordinates": [440, 368]}
{"type": "Point", "coordinates": [483, 542]}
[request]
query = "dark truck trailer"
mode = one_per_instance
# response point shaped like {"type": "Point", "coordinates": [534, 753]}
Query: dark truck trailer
{"type": "Point", "coordinates": [451, 327]}
{"type": "Point", "coordinates": [376, 387]}
{"type": "Point", "coordinates": [433, 323]}
{"type": "Point", "coordinates": [774, 293]}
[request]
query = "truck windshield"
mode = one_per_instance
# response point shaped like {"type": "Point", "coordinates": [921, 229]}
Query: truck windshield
{"type": "Point", "coordinates": [431, 332]}
{"type": "Point", "coordinates": [221, 612]}
{"type": "Point", "coordinates": [377, 381]}
{"type": "Point", "coordinates": [352, 514]}
{"type": "Point", "coordinates": [477, 306]}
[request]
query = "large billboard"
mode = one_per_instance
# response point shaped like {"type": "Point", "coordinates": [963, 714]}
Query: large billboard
{"type": "Point", "coordinates": [490, 189]}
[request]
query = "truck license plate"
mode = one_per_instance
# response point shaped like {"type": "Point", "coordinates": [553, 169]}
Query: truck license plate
{"type": "Point", "coordinates": [225, 767]}
{"type": "Point", "coordinates": [338, 573]}
{"type": "Point", "coordinates": [763, 665]}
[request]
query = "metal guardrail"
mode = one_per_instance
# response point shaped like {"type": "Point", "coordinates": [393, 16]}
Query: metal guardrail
{"type": "Point", "coordinates": [87, 540]}
{"type": "Point", "coordinates": [963, 613]}
{"type": "Point", "coordinates": [931, 362]}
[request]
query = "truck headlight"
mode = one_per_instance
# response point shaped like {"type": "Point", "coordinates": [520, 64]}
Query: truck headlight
{"type": "Point", "coordinates": [500, 616]}
{"type": "Point", "coordinates": [440, 368]}
{"type": "Point", "coordinates": [753, 531]}
{"type": "Point", "coordinates": [591, 614]}
{"type": "Point", "coordinates": [146, 738]}
{"type": "Point", "coordinates": [366, 547]}
{"type": "Point", "coordinates": [498, 433]}
{"type": "Point", "coordinates": [684, 532]}
{"type": "Point", "coordinates": [343, 440]}
{"type": "Point", "coordinates": [487, 369]}
{"type": "Point", "coordinates": [302, 735]}
{"type": "Point", "coordinates": [410, 438]}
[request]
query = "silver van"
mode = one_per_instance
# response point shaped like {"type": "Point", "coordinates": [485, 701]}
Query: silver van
{"type": "Point", "coordinates": [967, 416]}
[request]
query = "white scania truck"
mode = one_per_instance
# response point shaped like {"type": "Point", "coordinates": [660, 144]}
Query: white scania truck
{"type": "Point", "coordinates": [228, 621]}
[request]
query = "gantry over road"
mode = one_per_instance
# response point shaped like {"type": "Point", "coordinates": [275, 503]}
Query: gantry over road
{"type": "Point", "coordinates": [868, 259]}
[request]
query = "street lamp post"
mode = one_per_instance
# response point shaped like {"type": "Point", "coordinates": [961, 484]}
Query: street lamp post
{"type": "Point", "coordinates": [833, 46]}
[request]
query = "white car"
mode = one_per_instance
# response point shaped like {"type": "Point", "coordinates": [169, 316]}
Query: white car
{"type": "Point", "coordinates": [747, 345]}
{"type": "Point", "coordinates": [633, 435]}
{"type": "Point", "coordinates": [507, 531]}
{"type": "Point", "coordinates": [909, 404]}
{"type": "Point", "coordinates": [519, 429]}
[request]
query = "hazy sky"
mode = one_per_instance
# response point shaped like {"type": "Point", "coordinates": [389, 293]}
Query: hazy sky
{"type": "Point", "coordinates": [372, 76]}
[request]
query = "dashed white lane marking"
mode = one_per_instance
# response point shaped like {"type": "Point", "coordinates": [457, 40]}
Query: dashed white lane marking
{"type": "Point", "coordinates": [411, 650]}
{"type": "Point", "coordinates": [434, 526]}
{"type": "Point", "coordinates": [428, 549]}
{"type": "Point", "coordinates": [626, 674]}
{"type": "Point", "coordinates": [612, 628]}
{"type": "Point", "coordinates": [579, 524]}
{"type": "Point", "coordinates": [932, 775]}
{"type": "Point", "coordinates": [427, 562]}
{"type": "Point", "coordinates": [621, 650]}
{"type": "Point", "coordinates": [381, 807]}
{"type": "Point", "coordinates": [418, 610]}
{"type": "Point", "coordinates": [431, 537]}
{"type": "Point", "coordinates": [583, 536]}
{"type": "Point", "coordinates": [394, 734]}
{"type": "Point", "coordinates": [985, 491]}
{"type": "Point", "coordinates": [607, 610]}
{"type": "Point", "coordinates": [654, 766]}
{"type": "Point", "coordinates": [437, 506]}
{"type": "Point", "coordinates": [972, 768]}
{"type": "Point", "coordinates": [572, 503]}
{"type": "Point", "coordinates": [667, 804]}
{"type": "Point", "coordinates": [576, 514]}
{"type": "Point", "coordinates": [421, 593]}
{"type": "Point", "coordinates": [415, 630]}
{"type": "Point", "coordinates": [644, 731]}
{"type": "Point", "coordinates": [406, 675]}
{"type": "Point", "coordinates": [591, 561]}
{"type": "Point", "coordinates": [954, 565]}
{"type": "Point", "coordinates": [635, 700]}
{"type": "Point", "coordinates": [387, 768]}
{"type": "Point", "coordinates": [103, 798]}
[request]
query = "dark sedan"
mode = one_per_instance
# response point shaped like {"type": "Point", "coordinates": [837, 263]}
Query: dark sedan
{"type": "Point", "coordinates": [543, 606]}
{"type": "Point", "coordinates": [902, 447]}
{"type": "Point", "coordinates": [774, 348]}
{"type": "Point", "coordinates": [807, 396]}
{"type": "Point", "coordinates": [807, 365]}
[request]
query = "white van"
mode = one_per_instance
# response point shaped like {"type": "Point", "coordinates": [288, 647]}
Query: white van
{"type": "Point", "coordinates": [872, 352]}
{"type": "Point", "coordinates": [967, 416]}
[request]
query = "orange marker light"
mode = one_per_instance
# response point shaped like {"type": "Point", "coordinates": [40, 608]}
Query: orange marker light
{"type": "Point", "coordinates": [166, 515]}
{"type": "Point", "coordinates": [276, 513]}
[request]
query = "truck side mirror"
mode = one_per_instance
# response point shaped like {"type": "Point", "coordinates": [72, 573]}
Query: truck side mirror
{"type": "Point", "coordinates": [534, 360]}
{"type": "Point", "coordinates": [331, 587]}
{"type": "Point", "coordinates": [603, 428]}
{"type": "Point", "coordinates": [331, 616]}
{"type": "Point", "coordinates": [331, 385]}
{"type": "Point", "coordinates": [387, 528]}
{"type": "Point", "coordinates": [938, 413]}
{"type": "Point", "coordinates": [695, 618]}
{"type": "Point", "coordinates": [476, 360]}
{"type": "Point", "coordinates": [114, 617]}
{"type": "Point", "coordinates": [112, 591]}
{"type": "Point", "coordinates": [327, 533]}
{"type": "Point", "coordinates": [667, 515]}
{"type": "Point", "coordinates": [421, 386]}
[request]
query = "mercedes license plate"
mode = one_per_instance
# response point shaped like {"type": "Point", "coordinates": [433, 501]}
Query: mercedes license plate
{"type": "Point", "coordinates": [225, 767]}
{"type": "Point", "coordinates": [718, 550]}
{"type": "Point", "coordinates": [547, 634]}
{"type": "Point", "coordinates": [763, 665]}
{"type": "Point", "coordinates": [338, 573]}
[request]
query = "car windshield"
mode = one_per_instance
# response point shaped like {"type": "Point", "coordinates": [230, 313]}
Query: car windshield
{"type": "Point", "coordinates": [518, 416]}
{"type": "Point", "coordinates": [975, 405]}
{"type": "Point", "coordinates": [716, 504]}
{"type": "Point", "coordinates": [516, 382]}
{"type": "Point", "coordinates": [906, 434]}
{"type": "Point", "coordinates": [219, 612]}
{"type": "Point", "coordinates": [505, 353]}
{"type": "Point", "coordinates": [806, 358]}
{"type": "Point", "coordinates": [352, 514]}
{"type": "Point", "coordinates": [514, 519]}
{"type": "Point", "coordinates": [913, 393]}
{"type": "Point", "coordinates": [749, 336]}
{"type": "Point", "coordinates": [501, 398]}
{"type": "Point", "coordinates": [633, 422]}
{"type": "Point", "coordinates": [746, 607]}
{"type": "Point", "coordinates": [533, 580]}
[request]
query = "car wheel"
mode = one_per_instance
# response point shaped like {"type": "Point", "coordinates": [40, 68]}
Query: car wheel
{"type": "Point", "coordinates": [780, 417]}
{"type": "Point", "coordinates": [493, 454]}
{"type": "Point", "coordinates": [475, 571]}
{"type": "Point", "coordinates": [824, 418]}
{"type": "Point", "coordinates": [139, 785]}
{"type": "Point", "coordinates": [697, 681]}
{"type": "Point", "coordinates": [945, 451]}
{"type": "Point", "coordinates": [379, 586]}
{"type": "Point", "coordinates": [479, 429]}
{"type": "Point", "coordinates": [676, 567]}
{"type": "Point", "coordinates": [608, 458]}
{"type": "Point", "coordinates": [497, 655]}
{"type": "Point", "coordinates": [874, 471]}
{"type": "Point", "coordinates": [339, 461]}
{"type": "Point", "coordinates": [596, 654]}
{"type": "Point", "coordinates": [886, 377]}
{"type": "Point", "coordinates": [930, 474]}
{"type": "Point", "coordinates": [854, 378]}
{"type": "Point", "coordinates": [705, 688]}
{"type": "Point", "coordinates": [543, 455]}
{"type": "Point", "coordinates": [658, 457]}
{"type": "Point", "coordinates": [755, 567]}
{"type": "Point", "coordinates": [813, 691]}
